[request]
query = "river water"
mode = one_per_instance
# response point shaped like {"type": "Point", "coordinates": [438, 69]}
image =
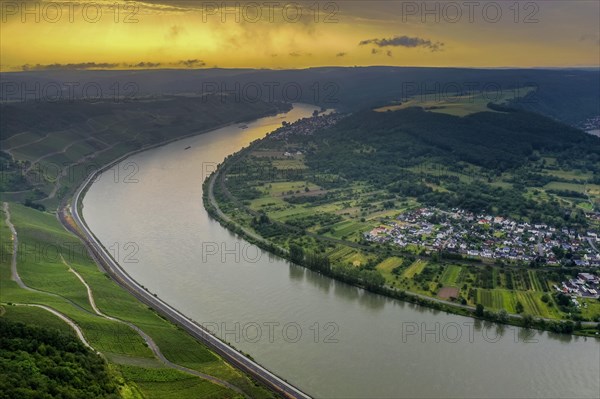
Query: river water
{"type": "Point", "coordinates": [329, 339]}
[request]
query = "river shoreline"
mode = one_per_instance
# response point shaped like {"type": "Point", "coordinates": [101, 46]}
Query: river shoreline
{"type": "Point", "coordinates": [227, 288]}
{"type": "Point", "coordinates": [212, 207]}
{"type": "Point", "coordinates": [68, 213]}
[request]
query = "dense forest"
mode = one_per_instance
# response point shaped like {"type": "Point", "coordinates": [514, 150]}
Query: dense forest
{"type": "Point", "coordinates": [463, 158]}
{"type": "Point", "coordinates": [45, 363]}
{"type": "Point", "coordinates": [568, 95]}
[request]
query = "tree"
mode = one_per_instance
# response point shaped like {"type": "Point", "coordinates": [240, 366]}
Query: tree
{"type": "Point", "coordinates": [502, 316]}
{"type": "Point", "coordinates": [38, 362]}
{"type": "Point", "coordinates": [479, 310]}
{"type": "Point", "coordinates": [568, 327]}
{"type": "Point", "coordinates": [296, 253]}
{"type": "Point", "coordinates": [372, 278]}
{"type": "Point", "coordinates": [527, 320]}
{"type": "Point", "coordinates": [519, 307]}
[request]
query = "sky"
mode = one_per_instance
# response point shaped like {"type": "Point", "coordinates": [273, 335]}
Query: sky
{"type": "Point", "coordinates": [113, 34]}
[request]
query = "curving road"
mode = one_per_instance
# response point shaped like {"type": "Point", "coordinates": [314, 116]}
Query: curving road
{"type": "Point", "coordinates": [105, 260]}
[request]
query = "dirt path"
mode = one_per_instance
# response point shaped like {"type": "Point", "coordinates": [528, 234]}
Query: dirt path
{"type": "Point", "coordinates": [149, 341]}
{"type": "Point", "coordinates": [14, 274]}
{"type": "Point", "coordinates": [64, 318]}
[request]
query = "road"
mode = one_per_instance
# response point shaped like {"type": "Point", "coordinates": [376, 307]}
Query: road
{"type": "Point", "coordinates": [105, 260]}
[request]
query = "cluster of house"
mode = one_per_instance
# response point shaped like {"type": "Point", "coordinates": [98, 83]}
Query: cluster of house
{"type": "Point", "coordinates": [586, 285]}
{"type": "Point", "coordinates": [306, 126]}
{"type": "Point", "coordinates": [485, 236]}
{"type": "Point", "coordinates": [595, 216]}
{"type": "Point", "coordinates": [592, 123]}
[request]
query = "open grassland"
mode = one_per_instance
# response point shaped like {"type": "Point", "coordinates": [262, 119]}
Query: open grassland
{"type": "Point", "coordinates": [458, 105]}
{"type": "Point", "coordinates": [451, 276]}
{"type": "Point", "coordinates": [387, 266]}
{"type": "Point", "coordinates": [416, 268]}
{"type": "Point", "coordinates": [43, 244]}
{"type": "Point", "coordinates": [292, 163]}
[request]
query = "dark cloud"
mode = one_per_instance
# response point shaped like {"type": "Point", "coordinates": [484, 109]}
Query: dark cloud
{"type": "Point", "coordinates": [405, 41]}
{"type": "Point", "coordinates": [389, 53]}
{"type": "Point", "coordinates": [195, 63]}
{"type": "Point", "coordinates": [375, 51]}
{"type": "Point", "coordinates": [145, 65]}
{"type": "Point", "coordinates": [340, 54]}
{"type": "Point", "coordinates": [81, 65]}
{"type": "Point", "coordinates": [105, 65]}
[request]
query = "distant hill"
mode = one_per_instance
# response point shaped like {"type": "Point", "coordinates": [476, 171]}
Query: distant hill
{"type": "Point", "coordinates": [507, 163]}
{"type": "Point", "coordinates": [571, 95]}
{"type": "Point", "coordinates": [498, 141]}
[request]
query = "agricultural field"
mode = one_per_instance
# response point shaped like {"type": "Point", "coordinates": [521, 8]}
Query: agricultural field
{"type": "Point", "coordinates": [35, 152]}
{"type": "Point", "coordinates": [387, 266]}
{"type": "Point", "coordinates": [416, 268]}
{"type": "Point", "coordinates": [458, 105]}
{"type": "Point", "coordinates": [452, 276]}
{"type": "Point", "coordinates": [348, 204]}
{"type": "Point", "coordinates": [47, 254]}
{"type": "Point", "coordinates": [169, 384]}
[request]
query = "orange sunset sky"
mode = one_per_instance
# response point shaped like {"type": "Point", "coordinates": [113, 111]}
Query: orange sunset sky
{"type": "Point", "coordinates": [39, 35]}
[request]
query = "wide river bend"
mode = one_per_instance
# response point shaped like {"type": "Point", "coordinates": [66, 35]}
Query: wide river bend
{"type": "Point", "coordinates": [330, 339]}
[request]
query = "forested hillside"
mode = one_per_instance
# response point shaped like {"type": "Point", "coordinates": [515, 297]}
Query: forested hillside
{"type": "Point", "coordinates": [44, 363]}
{"type": "Point", "coordinates": [488, 161]}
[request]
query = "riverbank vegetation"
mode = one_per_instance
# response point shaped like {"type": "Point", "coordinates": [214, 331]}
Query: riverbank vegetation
{"type": "Point", "coordinates": [315, 195]}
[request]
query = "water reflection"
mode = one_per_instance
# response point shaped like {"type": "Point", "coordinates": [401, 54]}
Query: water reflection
{"type": "Point", "coordinates": [297, 272]}
{"type": "Point", "coordinates": [319, 281]}
{"type": "Point", "coordinates": [345, 291]}
{"type": "Point", "coordinates": [371, 302]}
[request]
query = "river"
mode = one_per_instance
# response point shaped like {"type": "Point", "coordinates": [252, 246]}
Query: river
{"type": "Point", "coordinates": [330, 339]}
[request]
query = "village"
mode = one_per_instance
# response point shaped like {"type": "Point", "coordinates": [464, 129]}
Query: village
{"type": "Point", "coordinates": [489, 237]}
{"type": "Point", "coordinates": [585, 285]}
{"type": "Point", "coordinates": [306, 126]}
